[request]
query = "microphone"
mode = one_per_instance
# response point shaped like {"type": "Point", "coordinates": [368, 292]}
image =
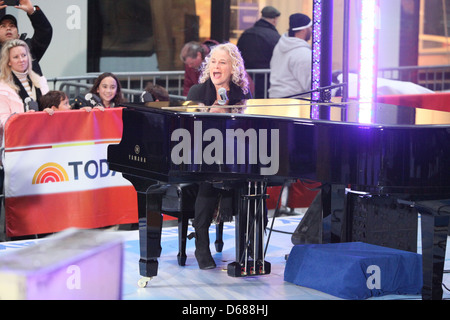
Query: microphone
{"type": "Point", "coordinates": [30, 104]}
{"type": "Point", "coordinates": [223, 96]}
{"type": "Point", "coordinates": [146, 97]}
{"type": "Point", "coordinates": [79, 102]}
{"type": "Point", "coordinates": [93, 99]}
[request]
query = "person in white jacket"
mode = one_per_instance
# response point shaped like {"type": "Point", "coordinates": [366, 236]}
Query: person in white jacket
{"type": "Point", "coordinates": [290, 66]}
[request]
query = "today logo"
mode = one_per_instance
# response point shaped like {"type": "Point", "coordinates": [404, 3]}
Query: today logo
{"type": "Point", "coordinates": [52, 172]}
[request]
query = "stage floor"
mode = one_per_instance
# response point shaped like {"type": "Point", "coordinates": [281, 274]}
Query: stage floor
{"type": "Point", "coordinates": [190, 283]}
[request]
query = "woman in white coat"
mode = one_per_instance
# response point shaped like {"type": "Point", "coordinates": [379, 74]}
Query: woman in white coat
{"type": "Point", "coordinates": [16, 63]}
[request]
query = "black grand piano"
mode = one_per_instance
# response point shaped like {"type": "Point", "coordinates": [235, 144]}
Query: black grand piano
{"type": "Point", "coordinates": [354, 149]}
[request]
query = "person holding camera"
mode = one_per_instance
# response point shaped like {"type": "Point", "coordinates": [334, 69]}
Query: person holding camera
{"type": "Point", "coordinates": [43, 30]}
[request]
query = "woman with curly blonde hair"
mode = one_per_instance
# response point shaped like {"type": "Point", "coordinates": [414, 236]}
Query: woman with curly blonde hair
{"type": "Point", "coordinates": [222, 68]}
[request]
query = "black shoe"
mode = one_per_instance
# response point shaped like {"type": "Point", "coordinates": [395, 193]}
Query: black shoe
{"type": "Point", "coordinates": [205, 260]}
{"type": "Point", "coordinates": [202, 252]}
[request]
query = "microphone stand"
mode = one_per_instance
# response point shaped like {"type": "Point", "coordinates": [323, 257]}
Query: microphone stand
{"type": "Point", "coordinates": [325, 93]}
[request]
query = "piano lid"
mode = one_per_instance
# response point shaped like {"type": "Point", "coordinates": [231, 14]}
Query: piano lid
{"type": "Point", "coordinates": [353, 112]}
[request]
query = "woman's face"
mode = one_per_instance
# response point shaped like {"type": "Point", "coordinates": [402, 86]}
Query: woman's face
{"type": "Point", "coordinates": [220, 68]}
{"type": "Point", "coordinates": [18, 59]}
{"type": "Point", "coordinates": [107, 89]}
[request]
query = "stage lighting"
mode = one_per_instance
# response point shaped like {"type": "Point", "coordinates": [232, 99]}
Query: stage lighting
{"type": "Point", "coordinates": [367, 75]}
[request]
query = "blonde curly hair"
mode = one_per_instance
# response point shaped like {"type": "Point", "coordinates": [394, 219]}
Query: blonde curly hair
{"type": "Point", "coordinates": [238, 73]}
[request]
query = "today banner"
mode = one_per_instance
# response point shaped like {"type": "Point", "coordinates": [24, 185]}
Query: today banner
{"type": "Point", "coordinates": [57, 175]}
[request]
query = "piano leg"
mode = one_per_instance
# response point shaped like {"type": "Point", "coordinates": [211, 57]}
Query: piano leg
{"type": "Point", "coordinates": [149, 198]}
{"type": "Point", "coordinates": [435, 218]}
{"type": "Point", "coordinates": [219, 237]}
{"type": "Point", "coordinates": [333, 210]}
{"type": "Point", "coordinates": [182, 239]}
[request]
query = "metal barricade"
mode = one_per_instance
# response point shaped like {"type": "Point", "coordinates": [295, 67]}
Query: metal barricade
{"type": "Point", "coordinates": [436, 78]}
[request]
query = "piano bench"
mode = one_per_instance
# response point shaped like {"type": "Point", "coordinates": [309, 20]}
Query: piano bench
{"type": "Point", "coordinates": [179, 202]}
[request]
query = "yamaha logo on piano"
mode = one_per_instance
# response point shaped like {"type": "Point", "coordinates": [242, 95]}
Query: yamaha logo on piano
{"type": "Point", "coordinates": [135, 157]}
{"type": "Point", "coordinates": [234, 146]}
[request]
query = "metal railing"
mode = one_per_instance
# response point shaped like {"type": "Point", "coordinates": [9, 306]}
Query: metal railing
{"type": "Point", "coordinates": [436, 78]}
{"type": "Point", "coordinates": [133, 83]}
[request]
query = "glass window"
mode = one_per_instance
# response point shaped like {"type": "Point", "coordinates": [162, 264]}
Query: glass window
{"type": "Point", "coordinates": [147, 35]}
{"type": "Point", "coordinates": [143, 35]}
{"type": "Point", "coordinates": [434, 46]}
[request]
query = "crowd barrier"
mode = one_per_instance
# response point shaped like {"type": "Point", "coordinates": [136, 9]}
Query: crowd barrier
{"type": "Point", "coordinates": [57, 175]}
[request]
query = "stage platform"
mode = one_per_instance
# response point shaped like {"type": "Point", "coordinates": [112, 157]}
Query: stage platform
{"type": "Point", "coordinates": [190, 283]}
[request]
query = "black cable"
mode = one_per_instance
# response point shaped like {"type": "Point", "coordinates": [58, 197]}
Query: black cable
{"type": "Point", "coordinates": [279, 231]}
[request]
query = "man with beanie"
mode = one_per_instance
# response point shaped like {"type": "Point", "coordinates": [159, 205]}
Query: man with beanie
{"type": "Point", "coordinates": [290, 67]}
{"type": "Point", "coordinates": [256, 45]}
{"type": "Point", "coordinates": [43, 30]}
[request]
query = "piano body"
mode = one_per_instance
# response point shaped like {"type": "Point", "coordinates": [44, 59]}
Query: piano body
{"type": "Point", "coordinates": [352, 148]}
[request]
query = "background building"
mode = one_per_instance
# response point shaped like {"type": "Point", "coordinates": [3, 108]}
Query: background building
{"type": "Point", "coordinates": [144, 35]}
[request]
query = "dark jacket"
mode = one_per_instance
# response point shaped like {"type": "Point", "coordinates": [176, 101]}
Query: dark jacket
{"type": "Point", "coordinates": [256, 44]}
{"type": "Point", "coordinates": [222, 199]}
{"type": "Point", "coordinates": [206, 93]}
{"type": "Point", "coordinates": [43, 33]}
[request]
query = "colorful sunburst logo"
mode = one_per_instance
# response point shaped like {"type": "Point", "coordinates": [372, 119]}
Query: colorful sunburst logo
{"type": "Point", "coordinates": [50, 172]}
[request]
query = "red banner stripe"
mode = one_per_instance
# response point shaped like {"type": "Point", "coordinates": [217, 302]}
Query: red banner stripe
{"type": "Point", "coordinates": [97, 125]}
{"type": "Point", "coordinates": [40, 215]}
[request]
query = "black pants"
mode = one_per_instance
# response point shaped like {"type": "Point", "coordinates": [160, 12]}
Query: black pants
{"type": "Point", "coordinates": [205, 204]}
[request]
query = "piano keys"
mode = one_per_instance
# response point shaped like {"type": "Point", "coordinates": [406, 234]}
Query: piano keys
{"type": "Point", "coordinates": [369, 148]}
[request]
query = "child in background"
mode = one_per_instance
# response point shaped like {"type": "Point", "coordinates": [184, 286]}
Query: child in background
{"type": "Point", "coordinates": [56, 101]}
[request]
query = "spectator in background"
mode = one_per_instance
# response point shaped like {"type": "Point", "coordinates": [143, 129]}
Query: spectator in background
{"type": "Point", "coordinates": [54, 101]}
{"type": "Point", "coordinates": [43, 30]}
{"type": "Point", "coordinates": [16, 73]}
{"type": "Point", "coordinates": [57, 101]}
{"type": "Point", "coordinates": [256, 45]}
{"type": "Point", "coordinates": [108, 89]}
{"type": "Point", "coordinates": [158, 92]}
{"type": "Point", "coordinates": [15, 57]}
{"type": "Point", "coordinates": [290, 66]}
{"type": "Point", "coordinates": [193, 54]}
